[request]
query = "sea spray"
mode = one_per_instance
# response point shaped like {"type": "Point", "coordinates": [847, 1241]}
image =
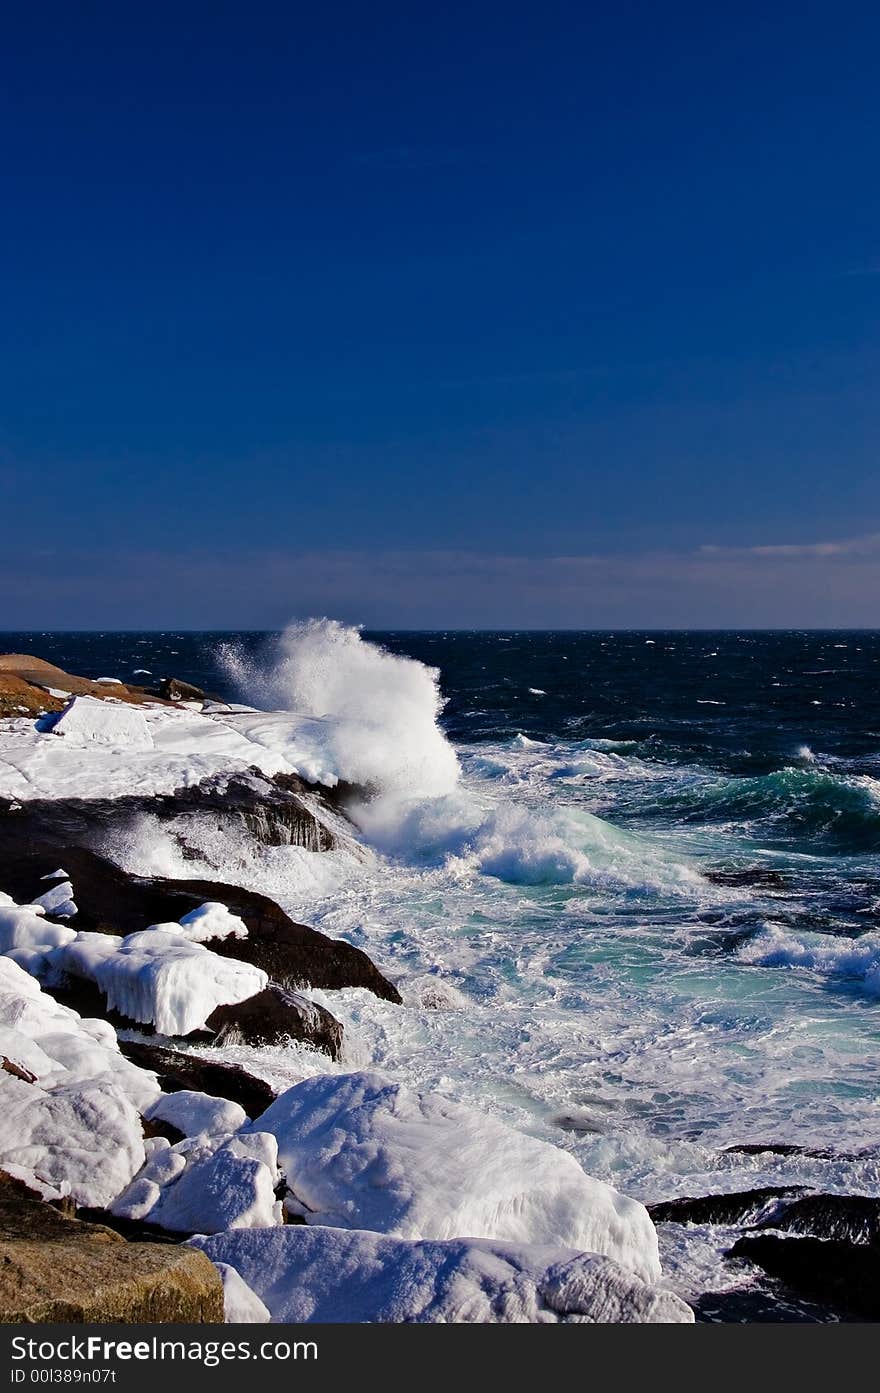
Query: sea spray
{"type": "Point", "coordinates": [381, 710]}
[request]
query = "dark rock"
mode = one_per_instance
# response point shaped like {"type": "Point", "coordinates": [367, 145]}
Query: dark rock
{"type": "Point", "coordinates": [741, 1207]}
{"type": "Point", "coordinates": [243, 808]}
{"type": "Point", "coordinates": [271, 1017]}
{"type": "Point", "coordinates": [173, 689]}
{"type": "Point", "coordinates": [845, 1274]}
{"type": "Point", "coordinates": [275, 1015]}
{"type": "Point", "coordinates": [818, 1153]}
{"type": "Point", "coordinates": [156, 1127]}
{"type": "Point", "coordinates": [758, 877]}
{"type": "Point", "coordinates": [111, 900]}
{"type": "Point", "coordinates": [176, 1071]}
{"type": "Point", "coordinates": [850, 1218]}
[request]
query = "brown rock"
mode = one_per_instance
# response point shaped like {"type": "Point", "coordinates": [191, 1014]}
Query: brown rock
{"type": "Point", "coordinates": [21, 672]}
{"type": "Point", "coordinates": [55, 1269]}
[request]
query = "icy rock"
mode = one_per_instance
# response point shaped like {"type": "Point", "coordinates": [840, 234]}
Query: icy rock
{"type": "Point", "coordinates": [212, 920]}
{"type": "Point", "coordinates": [206, 1186]}
{"type": "Point", "coordinates": [360, 1151]}
{"type": "Point", "coordinates": [314, 1274]}
{"type": "Point", "coordinates": [89, 721]}
{"type": "Point", "coordinates": [77, 1128]}
{"type": "Point", "coordinates": [241, 1306]}
{"type": "Point", "coordinates": [159, 976]}
{"type": "Point", "coordinates": [58, 900]}
{"type": "Point", "coordinates": [192, 1113]}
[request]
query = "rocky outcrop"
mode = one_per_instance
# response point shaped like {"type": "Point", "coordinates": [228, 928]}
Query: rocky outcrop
{"type": "Point", "coordinates": [844, 1276]}
{"type": "Point", "coordinates": [26, 681]}
{"type": "Point", "coordinates": [173, 689]}
{"type": "Point", "coordinates": [741, 1207]}
{"type": "Point", "coordinates": [275, 1015]}
{"type": "Point", "coordinates": [111, 900]}
{"type": "Point", "coordinates": [57, 1269]}
{"type": "Point", "coordinates": [176, 1072]}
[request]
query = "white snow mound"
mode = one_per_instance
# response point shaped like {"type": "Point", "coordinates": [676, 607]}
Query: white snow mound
{"type": "Point", "coordinates": [360, 1151]}
{"type": "Point", "coordinates": [212, 920]}
{"type": "Point", "coordinates": [77, 1128]}
{"type": "Point", "coordinates": [87, 720]}
{"type": "Point", "coordinates": [313, 1274]}
{"type": "Point", "coordinates": [206, 1185]}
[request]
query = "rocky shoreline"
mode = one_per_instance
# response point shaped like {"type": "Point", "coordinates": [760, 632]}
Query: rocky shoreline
{"type": "Point", "coordinates": [344, 1173]}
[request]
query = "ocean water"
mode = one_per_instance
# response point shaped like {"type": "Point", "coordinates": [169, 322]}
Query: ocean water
{"type": "Point", "coordinates": [629, 884]}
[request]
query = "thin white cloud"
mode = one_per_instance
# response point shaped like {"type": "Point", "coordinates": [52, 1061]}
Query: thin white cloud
{"type": "Point", "coordinates": [868, 545]}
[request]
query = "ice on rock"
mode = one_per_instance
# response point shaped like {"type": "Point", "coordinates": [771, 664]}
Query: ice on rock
{"type": "Point", "coordinates": [206, 1185]}
{"type": "Point", "coordinates": [160, 976]}
{"type": "Point", "coordinates": [88, 720]}
{"type": "Point", "coordinates": [57, 900]}
{"type": "Point", "coordinates": [59, 1046]}
{"type": "Point", "coordinates": [85, 1135]}
{"type": "Point", "coordinates": [192, 1113]}
{"type": "Point", "coordinates": [241, 1306]}
{"type": "Point", "coordinates": [212, 920]}
{"type": "Point", "coordinates": [77, 1128]}
{"type": "Point", "coordinates": [362, 1152]}
{"type": "Point", "coordinates": [313, 1274]}
{"type": "Point", "coordinates": [24, 926]}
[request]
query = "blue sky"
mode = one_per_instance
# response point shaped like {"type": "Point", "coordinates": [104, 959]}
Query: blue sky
{"type": "Point", "coordinates": [558, 314]}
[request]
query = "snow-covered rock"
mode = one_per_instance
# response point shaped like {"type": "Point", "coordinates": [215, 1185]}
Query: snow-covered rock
{"type": "Point", "coordinates": [212, 920]}
{"type": "Point", "coordinates": [58, 900]}
{"type": "Point", "coordinates": [77, 1128]}
{"type": "Point", "coordinates": [314, 1274]}
{"type": "Point", "coordinates": [359, 1151]}
{"type": "Point", "coordinates": [206, 1185]}
{"type": "Point", "coordinates": [160, 976]}
{"type": "Point", "coordinates": [241, 1306]}
{"type": "Point", "coordinates": [185, 748]}
{"type": "Point", "coordinates": [193, 1113]}
{"type": "Point", "coordinates": [88, 720]}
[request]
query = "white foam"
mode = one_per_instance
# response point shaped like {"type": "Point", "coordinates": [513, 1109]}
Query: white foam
{"type": "Point", "coordinates": [380, 710]}
{"type": "Point", "coordinates": [852, 960]}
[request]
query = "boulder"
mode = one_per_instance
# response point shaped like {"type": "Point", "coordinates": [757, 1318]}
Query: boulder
{"type": "Point", "coordinates": [329, 1275]}
{"type": "Point", "coordinates": [111, 900]}
{"type": "Point", "coordinates": [178, 1072]}
{"type": "Point", "coordinates": [173, 689]}
{"type": "Point", "coordinates": [740, 1207]}
{"type": "Point", "coordinates": [57, 1269]}
{"type": "Point", "coordinates": [275, 1015]}
{"type": "Point", "coordinates": [844, 1275]}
